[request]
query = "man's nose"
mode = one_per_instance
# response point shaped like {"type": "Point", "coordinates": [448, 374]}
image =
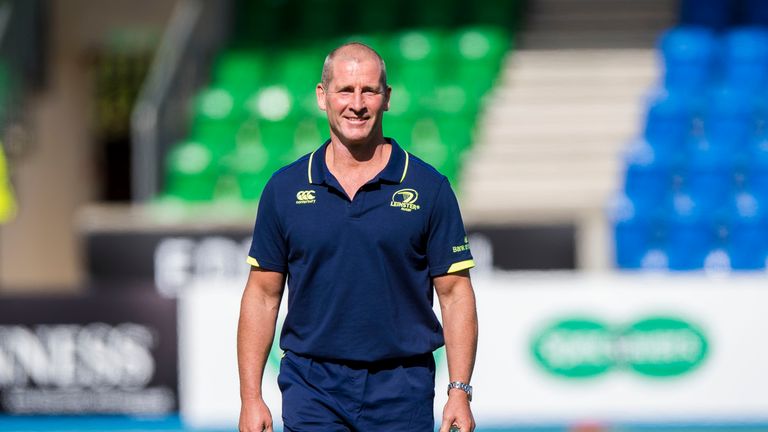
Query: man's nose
{"type": "Point", "coordinates": [358, 103]}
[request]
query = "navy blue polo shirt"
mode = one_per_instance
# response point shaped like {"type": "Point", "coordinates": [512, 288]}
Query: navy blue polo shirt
{"type": "Point", "coordinates": [360, 272]}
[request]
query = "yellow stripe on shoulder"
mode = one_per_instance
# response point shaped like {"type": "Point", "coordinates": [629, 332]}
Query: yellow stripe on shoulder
{"type": "Point", "coordinates": [461, 265]}
{"type": "Point", "coordinates": [252, 261]}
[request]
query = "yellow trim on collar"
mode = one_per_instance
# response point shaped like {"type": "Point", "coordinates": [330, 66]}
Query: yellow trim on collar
{"type": "Point", "coordinates": [405, 170]}
{"type": "Point", "coordinates": [461, 265]}
{"type": "Point", "coordinates": [252, 261]}
{"type": "Point", "coordinates": [309, 167]}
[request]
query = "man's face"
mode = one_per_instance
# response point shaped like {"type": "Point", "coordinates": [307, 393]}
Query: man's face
{"type": "Point", "coordinates": [354, 100]}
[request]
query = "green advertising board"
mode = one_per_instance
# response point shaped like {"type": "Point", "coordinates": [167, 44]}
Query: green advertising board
{"type": "Point", "coordinates": [657, 347]}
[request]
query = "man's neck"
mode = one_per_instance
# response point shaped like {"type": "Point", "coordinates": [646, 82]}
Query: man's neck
{"type": "Point", "coordinates": [355, 165]}
{"type": "Point", "coordinates": [355, 156]}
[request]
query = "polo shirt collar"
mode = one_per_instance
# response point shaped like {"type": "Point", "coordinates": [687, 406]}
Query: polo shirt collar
{"type": "Point", "coordinates": [394, 172]}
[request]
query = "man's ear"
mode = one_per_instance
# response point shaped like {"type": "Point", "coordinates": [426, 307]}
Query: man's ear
{"type": "Point", "coordinates": [387, 94]}
{"type": "Point", "coordinates": [320, 93]}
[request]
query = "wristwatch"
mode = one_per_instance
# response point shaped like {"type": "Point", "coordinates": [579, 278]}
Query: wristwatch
{"type": "Point", "coordinates": [462, 386]}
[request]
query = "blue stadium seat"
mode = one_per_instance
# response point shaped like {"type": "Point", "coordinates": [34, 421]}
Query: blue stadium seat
{"type": "Point", "coordinates": [689, 54]}
{"type": "Point", "coordinates": [708, 175]}
{"type": "Point", "coordinates": [714, 14]}
{"type": "Point", "coordinates": [747, 233]}
{"type": "Point", "coordinates": [745, 58]}
{"type": "Point", "coordinates": [634, 235]}
{"type": "Point", "coordinates": [690, 234]}
{"type": "Point", "coordinates": [754, 12]}
{"type": "Point", "coordinates": [730, 118]}
{"type": "Point", "coordinates": [756, 169]}
{"type": "Point", "coordinates": [668, 124]}
{"type": "Point", "coordinates": [648, 179]}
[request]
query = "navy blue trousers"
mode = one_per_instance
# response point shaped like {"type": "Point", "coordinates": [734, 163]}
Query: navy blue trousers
{"type": "Point", "coordinates": [330, 396]}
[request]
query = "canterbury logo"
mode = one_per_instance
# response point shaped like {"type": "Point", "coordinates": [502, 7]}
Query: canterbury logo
{"type": "Point", "coordinates": [405, 200]}
{"type": "Point", "coordinates": [305, 197]}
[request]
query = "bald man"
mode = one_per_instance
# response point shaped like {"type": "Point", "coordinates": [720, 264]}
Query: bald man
{"type": "Point", "coordinates": [362, 231]}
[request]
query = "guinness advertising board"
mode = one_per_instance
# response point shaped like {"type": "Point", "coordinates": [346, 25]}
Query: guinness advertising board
{"type": "Point", "coordinates": [97, 354]}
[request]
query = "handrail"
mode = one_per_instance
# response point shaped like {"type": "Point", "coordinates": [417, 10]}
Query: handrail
{"type": "Point", "coordinates": [159, 118]}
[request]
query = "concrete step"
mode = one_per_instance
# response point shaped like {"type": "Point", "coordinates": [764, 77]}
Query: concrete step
{"type": "Point", "coordinates": [496, 128]}
{"type": "Point", "coordinates": [566, 40]}
{"type": "Point", "coordinates": [599, 7]}
{"type": "Point", "coordinates": [566, 95]}
{"type": "Point", "coordinates": [588, 111]}
{"type": "Point", "coordinates": [558, 152]}
{"type": "Point", "coordinates": [609, 20]}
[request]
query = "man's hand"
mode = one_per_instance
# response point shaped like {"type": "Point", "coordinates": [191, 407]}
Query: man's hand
{"type": "Point", "coordinates": [255, 416]}
{"type": "Point", "coordinates": [457, 412]}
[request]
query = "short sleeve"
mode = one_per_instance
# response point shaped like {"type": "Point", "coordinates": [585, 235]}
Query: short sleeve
{"type": "Point", "coordinates": [268, 246]}
{"type": "Point", "coordinates": [447, 245]}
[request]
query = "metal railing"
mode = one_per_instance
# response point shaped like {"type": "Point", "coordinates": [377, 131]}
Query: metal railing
{"type": "Point", "coordinates": [160, 118]}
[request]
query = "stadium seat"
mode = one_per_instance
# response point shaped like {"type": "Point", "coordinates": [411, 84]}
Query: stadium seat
{"type": "Point", "coordinates": [755, 12]}
{"type": "Point", "coordinates": [241, 72]}
{"type": "Point", "coordinates": [730, 119]}
{"type": "Point", "coordinates": [427, 144]}
{"type": "Point", "coordinates": [745, 58]}
{"type": "Point", "coordinates": [299, 69]}
{"type": "Point", "coordinates": [756, 169]}
{"type": "Point", "coordinates": [474, 55]}
{"type": "Point", "coordinates": [668, 123]}
{"type": "Point", "coordinates": [747, 233]}
{"type": "Point", "coordinates": [633, 233]}
{"type": "Point", "coordinates": [217, 117]}
{"type": "Point", "coordinates": [690, 234]}
{"type": "Point", "coordinates": [714, 14]}
{"type": "Point", "coordinates": [416, 57]}
{"type": "Point", "coordinates": [689, 54]}
{"type": "Point", "coordinates": [250, 166]}
{"type": "Point", "coordinates": [708, 175]}
{"type": "Point", "coordinates": [648, 180]}
{"type": "Point", "coordinates": [192, 172]}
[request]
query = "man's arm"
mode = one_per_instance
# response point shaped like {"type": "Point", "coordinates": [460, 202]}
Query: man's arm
{"type": "Point", "coordinates": [255, 332]}
{"type": "Point", "coordinates": [457, 306]}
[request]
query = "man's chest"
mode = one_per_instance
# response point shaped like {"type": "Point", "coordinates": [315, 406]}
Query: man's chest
{"type": "Point", "coordinates": [323, 220]}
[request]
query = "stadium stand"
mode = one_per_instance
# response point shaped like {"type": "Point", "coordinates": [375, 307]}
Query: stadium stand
{"type": "Point", "coordinates": [694, 186]}
{"type": "Point", "coordinates": [541, 157]}
{"type": "Point", "coordinates": [252, 119]}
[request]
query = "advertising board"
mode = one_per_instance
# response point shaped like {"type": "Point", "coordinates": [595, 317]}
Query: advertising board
{"type": "Point", "coordinates": [98, 354]}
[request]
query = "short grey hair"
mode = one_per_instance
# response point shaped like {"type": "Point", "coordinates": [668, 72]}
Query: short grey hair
{"type": "Point", "coordinates": [328, 64]}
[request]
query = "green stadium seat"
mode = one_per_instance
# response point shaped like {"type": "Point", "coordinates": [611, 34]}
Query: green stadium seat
{"type": "Point", "coordinates": [435, 13]}
{"type": "Point", "coordinates": [316, 18]}
{"type": "Point", "coordinates": [428, 145]}
{"type": "Point", "coordinates": [241, 72]}
{"type": "Point", "coordinates": [192, 171]}
{"type": "Point", "coordinates": [417, 47]}
{"type": "Point", "coordinates": [215, 103]}
{"type": "Point", "coordinates": [309, 134]}
{"type": "Point", "coordinates": [250, 167]}
{"type": "Point", "coordinates": [378, 42]}
{"type": "Point", "coordinates": [299, 70]}
{"type": "Point", "coordinates": [217, 117]}
{"type": "Point", "coordinates": [271, 103]}
{"type": "Point", "coordinates": [503, 13]}
{"type": "Point", "coordinates": [476, 54]}
{"type": "Point", "coordinates": [254, 134]}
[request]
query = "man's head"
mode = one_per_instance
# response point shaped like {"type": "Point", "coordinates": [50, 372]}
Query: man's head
{"type": "Point", "coordinates": [354, 93]}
